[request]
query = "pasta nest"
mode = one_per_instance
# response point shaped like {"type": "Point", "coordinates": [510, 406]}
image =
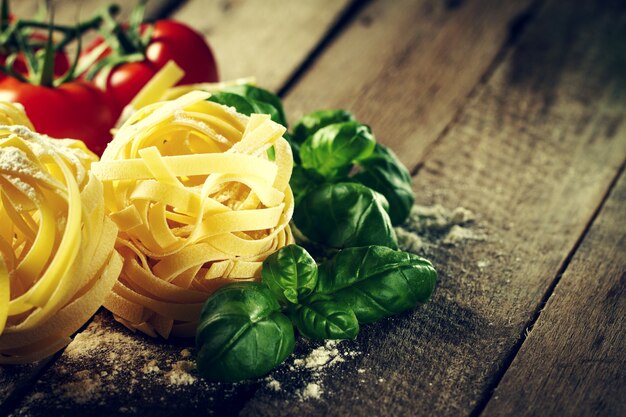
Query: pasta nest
{"type": "Point", "coordinates": [58, 260]}
{"type": "Point", "coordinates": [199, 203]}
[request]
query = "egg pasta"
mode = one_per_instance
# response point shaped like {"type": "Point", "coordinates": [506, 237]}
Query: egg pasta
{"type": "Point", "coordinates": [58, 260]}
{"type": "Point", "coordinates": [13, 114]}
{"type": "Point", "coordinates": [199, 204]}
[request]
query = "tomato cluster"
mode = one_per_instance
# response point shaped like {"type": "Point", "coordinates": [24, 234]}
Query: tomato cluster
{"type": "Point", "coordinates": [63, 103]}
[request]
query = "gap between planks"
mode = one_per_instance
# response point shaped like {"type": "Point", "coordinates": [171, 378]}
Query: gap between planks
{"type": "Point", "coordinates": [346, 19]}
{"type": "Point", "coordinates": [572, 362]}
{"type": "Point", "coordinates": [516, 27]}
{"type": "Point", "coordinates": [480, 408]}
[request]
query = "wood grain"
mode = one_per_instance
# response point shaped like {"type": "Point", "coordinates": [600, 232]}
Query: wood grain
{"type": "Point", "coordinates": [71, 11]}
{"type": "Point", "coordinates": [15, 380]}
{"type": "Point", "coordinates": [109, 371]}
{"type": "Point", "coordinates": [266, 39]}
{"type": "Point", "coordinates": [406, 68]}
{"type": "Point", "coordinates": [532, 154]}
{"type": "Point", "coordinates": [574, 362]}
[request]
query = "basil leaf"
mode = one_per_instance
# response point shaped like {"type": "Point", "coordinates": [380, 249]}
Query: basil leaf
{"type": "Point", "coordinates": [242, 333]}
{"type": "Point", "coordinates": [344, 215]}
{"type": "Point", "coordinates": [264, 99]}
{"type": "Point", "coordinates": [332, 149]}
{"type": "Point", "coordinates": [376, 281]}
{"type": "Point", "coordinates": [303, 181]}
{"type": "Point", "coordinates": [241, 104]}
{"type": "Point", "coordinates": [324, 318]}
{"type": "Point", "coordinates": [384, 173]}
{"type": "Point", "coordinates": [312, 122]}
{"type": "Point", "coordinates": [290, 273]}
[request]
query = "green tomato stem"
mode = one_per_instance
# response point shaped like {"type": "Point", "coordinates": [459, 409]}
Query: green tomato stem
{"type": "Point", "coordinates": [4, 15]}
{"type": "Point", "coordinates": [46, 76]}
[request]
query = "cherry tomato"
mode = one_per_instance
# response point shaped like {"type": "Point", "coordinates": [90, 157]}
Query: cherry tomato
{"type": "Point", "coordinates": [77, 110]}
{"type": "Point", "coordinates": [170, 40]}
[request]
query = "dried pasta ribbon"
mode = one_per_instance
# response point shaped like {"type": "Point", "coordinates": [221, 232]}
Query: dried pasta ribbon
{"type": "Point", "coordinates": [58, 260]}
{"type": "Point", "coordinates": [13, 114]}
{"type": "Point", "coordinates": [199, 204]}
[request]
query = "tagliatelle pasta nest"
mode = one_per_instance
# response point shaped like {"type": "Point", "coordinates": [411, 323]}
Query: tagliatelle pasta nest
{"type": "Point", "coordinates": [58, 260]}
{"type": "Point", "coordinates": [201, 196]}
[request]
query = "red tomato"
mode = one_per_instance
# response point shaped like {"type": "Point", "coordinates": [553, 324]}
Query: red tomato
{"type": "Point", "coordinates": [76, 110]}
{"type": "Point", "coordinates": [170, 40]}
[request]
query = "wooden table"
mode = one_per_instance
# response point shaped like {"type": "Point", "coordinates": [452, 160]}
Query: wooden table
{"type": "Point", "coordinates": [512, 109]}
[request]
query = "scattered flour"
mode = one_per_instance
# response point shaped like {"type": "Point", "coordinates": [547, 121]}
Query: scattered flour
{"type": "Point", "coordinates": [482, 264]}
{"type": "Point", "coordinates": [458, 234]}
{"type": "Point", "coordinates": [323, 355]}
{"type": "Point", "coordinates": [310, 370]}
{"type": "Point", "coordinates": [429, 226]}
{"type": "Point", "coordinates": [312, 390]}
{"type": "Point", "coordinates": [86, 387]}
{"type": "Point", "coordinates": [179, 375]}
{"type": "Point", "coordinates": [151, 367]}
{"type": "Point", "coordinates": [273, 384]}
{"type": "Point", "coordinates": [105, 359]}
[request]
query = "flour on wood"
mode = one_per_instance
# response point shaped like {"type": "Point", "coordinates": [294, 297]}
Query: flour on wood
{"type": "Point", "coordinates": [429, 226]}
{"type": "Point", "coordinates": [304, 374]}
{"type": "Point", "coordinates": [104, 361]}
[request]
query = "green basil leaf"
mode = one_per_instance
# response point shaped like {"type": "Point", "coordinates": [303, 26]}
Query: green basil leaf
{"type": "Point", "coordinates": [263, 98]}
{"type": "Point", "coordinates": [332, 149]}
{"type": "Point", "coordinates": [304, 180]}
{"type": "Point", "coordinates": [265, 108]}
{"type": "Point", "coordinates": [240, 103]}
{"type": "Point", "coordinates": [291, 273]}
{"type": "Point", "coordinates": [344, 215]}
{"type": "Point", "coordinates": [376, 281]}
{"type": "Point", "coordinates": [242, 333]}
{"type": "Point", "coordinates": [384, 173]}
{"type": "Point", "coordinates": [311, 123]}
{"type": "Point", "coordinates": [324, 318]}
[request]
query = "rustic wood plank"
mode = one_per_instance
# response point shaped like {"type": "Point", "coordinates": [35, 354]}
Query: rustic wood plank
{"type": "Point", "coordinates": [407, 68]}
{"type": "Point", "coordinates": [71, 11]}
{"type": "Point", "coordinates": [17, 380]}
{"type": "Point", "coordinates": [533, 155]}
{"type": "Point", "coordinates": [107, 370]}
{"type": "Point", "coordinates": [573, 362]}
{"type": "Point", "coordinates": [265, 39]}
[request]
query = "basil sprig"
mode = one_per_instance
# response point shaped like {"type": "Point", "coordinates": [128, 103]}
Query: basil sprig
{"type": "Point", "coordinates": [349, 192]}
{"type": "Point", "coordinates": [244, 330]}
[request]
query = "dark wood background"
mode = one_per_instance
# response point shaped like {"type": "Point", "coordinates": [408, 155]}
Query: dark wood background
{"type": "Point", "coordinates": [512, 109]}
